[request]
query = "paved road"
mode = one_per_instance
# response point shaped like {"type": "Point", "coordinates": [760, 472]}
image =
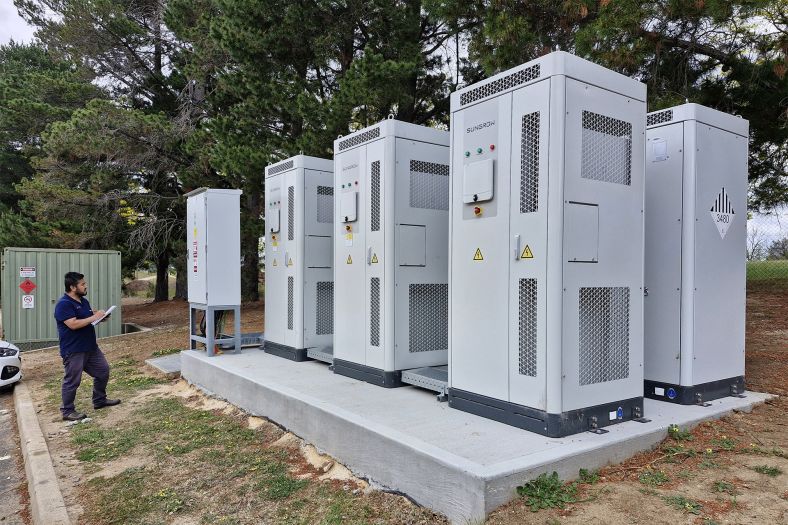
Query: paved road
{"type": "Point", "coordinates": [11, 467]}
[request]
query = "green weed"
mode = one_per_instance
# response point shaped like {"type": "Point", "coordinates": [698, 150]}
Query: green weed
{"type": "Point", "coordinates": [653, 478]}
{"type": "Point", "coordinates": [547, 492]}
{"type": "Point", "coordinates": [682, 503]}
{"type": "Point", "coordinates": [772, 472]}
{"type": "Point", "coordinates": [679, 435]}
{"type": "Point", "coordinates": [589, 477]}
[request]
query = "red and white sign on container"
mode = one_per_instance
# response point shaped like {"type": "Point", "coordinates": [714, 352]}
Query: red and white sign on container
{"type": "Point", "coordinates": [28, 302]}
{"type": "Point", "coordinates": [27, 271]}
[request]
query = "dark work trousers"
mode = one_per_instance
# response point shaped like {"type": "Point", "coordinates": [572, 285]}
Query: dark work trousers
{"type": "Point", "coordinates": [93, 364]}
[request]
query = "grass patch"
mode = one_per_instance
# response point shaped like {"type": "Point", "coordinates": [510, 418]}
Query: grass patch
{"type": "Point", "coordinates": [776, 270]}
{"type": "Point", "coordinates": [724, 487]}
{"type": "Point", "coordinates": [725, 443]}
{"type": "Point", "coordinates": [547, 492]}
{"type": "Point", "coordinates": [168, 351]}
{"type": "Point", "coordinates": [681, 503]}
{"type": "Point", "coordinates": [679, 435]}
{"type": "Point", "coordinates": [589, 477]}
{"type": "Point", "coordinates": [770, 471]}
{"type": "Point", "coordinates": [653, 478]}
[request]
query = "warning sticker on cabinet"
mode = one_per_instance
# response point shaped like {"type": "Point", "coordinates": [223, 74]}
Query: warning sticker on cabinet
{"type": "Point", "coordinates": [722, 213]}
{"type": "Point", "coordinates": [527, 253]}
{"type": "Point", "coordinates": [478, 255]}
{"type": "Point", "coordinates": [374, 258]}
{"type": "Point", "coordinates": [349, 260]}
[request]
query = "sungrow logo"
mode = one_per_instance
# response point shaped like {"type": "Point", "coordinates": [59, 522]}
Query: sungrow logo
{"type": "Point", "coordinates": [481, 126]}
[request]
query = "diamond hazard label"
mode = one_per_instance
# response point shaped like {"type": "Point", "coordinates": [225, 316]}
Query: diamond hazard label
{"type": "Point", "coordinates": [27, 286]}
{"type": "Point", "coordinates": [722, 213]}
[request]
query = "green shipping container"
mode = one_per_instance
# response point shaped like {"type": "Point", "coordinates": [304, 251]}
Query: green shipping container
{"type": "Point", "coordinates": [28, 311]}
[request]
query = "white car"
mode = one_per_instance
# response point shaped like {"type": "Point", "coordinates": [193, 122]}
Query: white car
{"type": "Point", "coordinates": [10, 364]}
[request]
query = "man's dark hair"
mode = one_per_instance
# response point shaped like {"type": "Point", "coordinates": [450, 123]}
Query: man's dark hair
{"type": "Point", "coordinates": [72, 279]}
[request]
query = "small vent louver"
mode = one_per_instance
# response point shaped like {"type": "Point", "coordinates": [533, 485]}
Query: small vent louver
{"type": "Point", "coordinates": [290, 213]}
{"type": "Point", "coordinates": [428, 315]}
{"type": "Point", "coordinates": [325, 204]}
{"type": "Point", "coordinates": [529, 164]}
{"type": "Point", "coordinates": [604, 334]}
{"type": "Point", "coordinates": [359, 139]}
{"type": "Point", "coordinates": [527, 327]}
{"type": "Point", "coordinates": [375, 211]}
{"type": "Point", "coordinates": [279, 168]}
{"type": "Point", "coordinates": [429, 185]}
{"type": "Point", "coordinates": [324, 317]}
{"type": "Point", "coordinates": [606, 149]}
{"type": "Point", "coordinates": [374, 311]}
{"type": "Point", "coordinates": [658, 117]}
{"type": "Point", "coordinates": [515, 79]}
{"type": "Point", "coordinates": [290, 302]}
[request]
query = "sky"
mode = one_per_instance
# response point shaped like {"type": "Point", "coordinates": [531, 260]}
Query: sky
{"type": "Point", "coordinates": [11, 26]}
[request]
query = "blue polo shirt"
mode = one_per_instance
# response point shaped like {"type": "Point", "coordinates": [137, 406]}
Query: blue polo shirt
{"type": "Point", "coordinates": [72, 341]}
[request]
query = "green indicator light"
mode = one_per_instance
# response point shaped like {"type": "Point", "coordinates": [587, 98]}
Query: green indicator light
{"type": "Point", "coordinates": [467, 153]}
{"type": "Point", "coordinates": [478, 150]}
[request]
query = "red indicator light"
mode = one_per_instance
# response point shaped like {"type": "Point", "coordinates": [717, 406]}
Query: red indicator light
{"type": "Point", "coordinates": [492, 147]}
{"type": "Point", "coordinates": [477, 210]}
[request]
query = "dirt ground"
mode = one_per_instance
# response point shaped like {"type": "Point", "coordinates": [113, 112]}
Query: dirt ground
{"type": "Point", "coordinates": [734, 470]}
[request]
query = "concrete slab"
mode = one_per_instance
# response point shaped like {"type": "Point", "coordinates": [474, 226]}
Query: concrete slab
{"type": "Point", "coordinates": [456, 463]}
{"type": "Point", "coordinates": [168, 365]}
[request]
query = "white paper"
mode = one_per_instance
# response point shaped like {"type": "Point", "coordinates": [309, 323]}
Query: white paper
{"type": "Point", "coordinates": [109, 311]}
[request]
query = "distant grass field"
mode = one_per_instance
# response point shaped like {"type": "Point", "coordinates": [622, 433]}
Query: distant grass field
{"type": "Point", "coordinates": [767, 270]}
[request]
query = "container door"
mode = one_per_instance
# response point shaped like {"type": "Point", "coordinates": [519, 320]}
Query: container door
{"type": "Point", "coordinates": [663, 210]}
{"type": "Point", "coordinates": [350, 298]}
{"type": "Point", "coordinates": [275, 281]}
{"type": "Point", "coordinates": [376, 182]}
{"type": "Point", "coordinates": [528, 245]}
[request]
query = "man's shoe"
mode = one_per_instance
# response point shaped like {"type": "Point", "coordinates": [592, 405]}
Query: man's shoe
{"type": "Point", "coordinates": [107, 403]}
{"type": "Point", "coordinates": [74, 416]}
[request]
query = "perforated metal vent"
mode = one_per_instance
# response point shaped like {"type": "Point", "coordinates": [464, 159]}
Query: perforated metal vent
{"type": "Point", "coordinates": [604, 334]}
{"type": "Point", "coordinates": [290, 298]}
{"type": "Point", "coordinates": [527, 327]}
{"type": "Point", "coordinates": [658, 117]}
{"type": "Point", "coordinates": [375, 211]}
{"type": "Point", "coordinates": [502, 84]}
{"type": "Point", "coordinates": [325, 308]}
{"type": "Point", "coordinates": [374, 311]}
{"type": "Point", "coordinates": [429, 317]}
{"type": "Point", "coordinates": [290, 213]}
{"type": "Point", "coordinates": [359, 139]}
{"type": "Point", "coordinates": [325, 204]}
{"type": "Point", "coordinates": [280, 167]}
{"type": "Point", "coordinates": [429, 185]}
{"type": "Point", "coordinates": [529, 164]}
{"type": "Point", "coordinates": [607, 149]}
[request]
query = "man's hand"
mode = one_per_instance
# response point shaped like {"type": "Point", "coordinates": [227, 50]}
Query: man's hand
{"type": "Point", "coordinates": [106, 318]}
{"type": "Point", "coordinates": [98, 314]}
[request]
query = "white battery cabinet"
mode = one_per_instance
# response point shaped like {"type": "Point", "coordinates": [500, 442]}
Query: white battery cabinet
{"type": "Point", "coordinates": [213, 243]}
{"type": "Point", "coordinates": [546, 265]}
{"type": "Point", "coordinates": [391, 251]}
{"type": "Point", "coordinates": [299, 280]}
{"type": "Point", "coordinates": [695, 270]}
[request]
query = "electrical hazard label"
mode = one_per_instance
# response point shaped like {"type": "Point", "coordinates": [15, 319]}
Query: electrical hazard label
{"type": "Point", "coordinates": [527, 253]}
{"type": "Point", "coordinates": [275, 264]}
{"type": "Point", "coordinates": [722, 213]}
{"type": "Point", "coordinates": [374, 258]}
{"type": "Point", "coordinates": [478, 255]}
{"type": "Point", "coordinates": [290, 262]}
{"type": "Point", "coordinates": [349, 260]}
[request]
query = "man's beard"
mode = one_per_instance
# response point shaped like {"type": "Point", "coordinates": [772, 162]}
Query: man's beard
{"type": "Point", "coordinates": [81, 294]}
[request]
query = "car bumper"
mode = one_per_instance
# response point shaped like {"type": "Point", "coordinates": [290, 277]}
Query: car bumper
{"type": "Point", "coordinates": [8, 374]}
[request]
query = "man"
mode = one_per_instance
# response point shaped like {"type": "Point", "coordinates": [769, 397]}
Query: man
{"type": "Point", "coordinates": [78, 347]}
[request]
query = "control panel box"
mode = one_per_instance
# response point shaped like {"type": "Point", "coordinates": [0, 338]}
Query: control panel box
{"type": "Point", "coordinates": [391, 251]}
{"type": "Point", "coordinates": [546, 265]}
{"type": "Point", "coordinates": [299, 280]}
{"type": "Point", "coordinates": [695, 270]}
{"type": "Point", "coordinates": [213, 243]}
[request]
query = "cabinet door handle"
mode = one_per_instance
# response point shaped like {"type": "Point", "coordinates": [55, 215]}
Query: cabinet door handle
{"type": "Point", "coordinates": [517, 247]}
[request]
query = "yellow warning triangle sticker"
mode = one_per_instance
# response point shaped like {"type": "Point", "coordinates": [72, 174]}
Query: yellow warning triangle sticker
{"type": "Point", "coordinates": [274, 262]}
{"type": "Point", "coordinates": [478, 255]}
{"type": "Point", "coordinates": [290, 262]}
{"type": "Point", "coordinates": [374, 258]}
{"type": "Point", "coordinates": [527, 253]}
{"type": "Point", "coordinates": [349, 260]}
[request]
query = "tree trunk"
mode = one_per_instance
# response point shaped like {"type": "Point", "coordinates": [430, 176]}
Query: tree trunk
{"type": "Point", "coordinates": [162, 277]}
{"type": "Point", "coordinates": [251, 231]}
{"type": "Point", "coordinates": [181, 276]}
